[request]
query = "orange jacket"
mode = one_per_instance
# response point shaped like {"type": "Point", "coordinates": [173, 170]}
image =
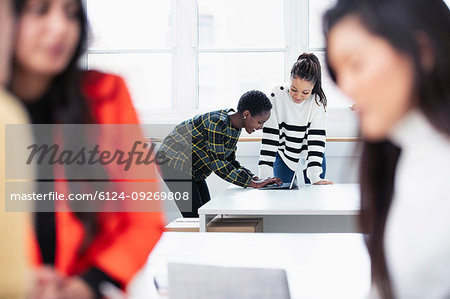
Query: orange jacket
{"type": "Point", "coordinates": [125, 240]}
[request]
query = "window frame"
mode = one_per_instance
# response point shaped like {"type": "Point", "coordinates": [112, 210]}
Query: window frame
{"type": "Point", "coordinates": [185, 57]}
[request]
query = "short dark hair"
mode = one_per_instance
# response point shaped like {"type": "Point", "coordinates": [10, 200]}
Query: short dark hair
{"type": "Point", "coordinates": [254, 101]}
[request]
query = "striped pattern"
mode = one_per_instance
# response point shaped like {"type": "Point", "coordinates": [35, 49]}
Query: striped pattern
{"type": "Point", "coordinates": [206, 144]}
{"type": "Point", "coordinates": [293, 131]}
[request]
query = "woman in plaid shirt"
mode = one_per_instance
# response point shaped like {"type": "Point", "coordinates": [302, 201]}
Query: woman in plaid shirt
{"type": "Point", "coordinates": [207, 143]}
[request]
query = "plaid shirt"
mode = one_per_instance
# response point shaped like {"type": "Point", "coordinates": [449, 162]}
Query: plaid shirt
{"type": "Point", "coordinates": [206, 144]}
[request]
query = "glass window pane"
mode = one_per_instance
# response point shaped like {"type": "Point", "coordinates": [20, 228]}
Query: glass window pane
{"type": "Point", "coordinates": [241, 24]}
{"type": "Point", "coordinates": [224, 77]}
{"type": "Point", "coordinates": [316, 10]}
{"type": "Point", "coordinates": [148, 76]}
{"type": "Point", "coordinates": [139, 24]}
{"type": "Point", "coordinates": [335, 97]}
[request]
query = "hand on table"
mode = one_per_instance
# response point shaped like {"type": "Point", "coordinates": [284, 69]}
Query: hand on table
{"type": "Point", "coordinates": [324, 182]}
{"type": "Point", "coordinates": [263, 182]}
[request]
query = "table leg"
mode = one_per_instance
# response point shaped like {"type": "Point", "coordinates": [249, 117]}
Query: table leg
{"type": "Point", "coordinates": [204, 220]}
{"type": "Point", "coordinates": [203, 223]}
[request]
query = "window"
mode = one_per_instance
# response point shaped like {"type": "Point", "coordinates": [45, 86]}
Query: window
{"type": "Point", "coordinates": [316, 10]}
{"type": "Point", "coordinates": [184, 57]}
{"type": "Point", "coordinates": [135, 41]}
{"type": "Point", "coordinates": [336, 99]}
{"type": "Point", "coordinates": [241, 46]}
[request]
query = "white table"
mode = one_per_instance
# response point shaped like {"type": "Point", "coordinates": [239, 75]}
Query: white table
{"type": "Point", "coordinates": [338, 199]}
{"type": "Point", "coordinates": [318, 266]}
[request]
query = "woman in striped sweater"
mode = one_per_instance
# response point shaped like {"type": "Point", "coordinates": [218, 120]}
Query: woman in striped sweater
{"type": "Point", "coordinates": [295, 131]}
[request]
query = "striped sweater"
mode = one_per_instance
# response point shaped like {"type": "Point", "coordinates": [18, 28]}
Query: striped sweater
{"type": "Point", "coordinates": [294, 131]}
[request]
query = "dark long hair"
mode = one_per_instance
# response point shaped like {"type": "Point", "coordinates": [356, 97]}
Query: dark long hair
{"type": "Point", "coordinates": [308, 68]}
{"type": "Point", "coordinates": [64, 103]}
{"type": "Point", "coordinates": [398, 22]}
{"type": "Point", "coordinates": [64, 97]}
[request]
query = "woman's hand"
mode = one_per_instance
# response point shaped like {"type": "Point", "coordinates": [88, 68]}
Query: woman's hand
{"type": "Point", "coordinates": [324, 182]}
{"type": "Point", "coordinates": [76, 288]}
{"type": "Point", "coordinates": [46, 283]}
{"type": "Point", "coordinates": [261, 183]}
{"type": "Point", "coordinates": [49, 284]}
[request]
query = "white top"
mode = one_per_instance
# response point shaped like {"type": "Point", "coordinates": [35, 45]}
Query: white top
{"type": "Point", "coordinates": [317, 265]}
{"type": "Point", "coordinates": [338, 199]}
{"type": "Point", "coordinates": [417, 237]}
{"type": "Point", "coordinates": [293, 131]}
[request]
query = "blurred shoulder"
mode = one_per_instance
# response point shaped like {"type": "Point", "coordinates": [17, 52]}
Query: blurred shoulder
{"type": "Point", "coordinates": [11, 109]}
{"type": "Point", "coordinates": [101, 86]}
{"type": "Point", "coordinates": [108, 98]}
